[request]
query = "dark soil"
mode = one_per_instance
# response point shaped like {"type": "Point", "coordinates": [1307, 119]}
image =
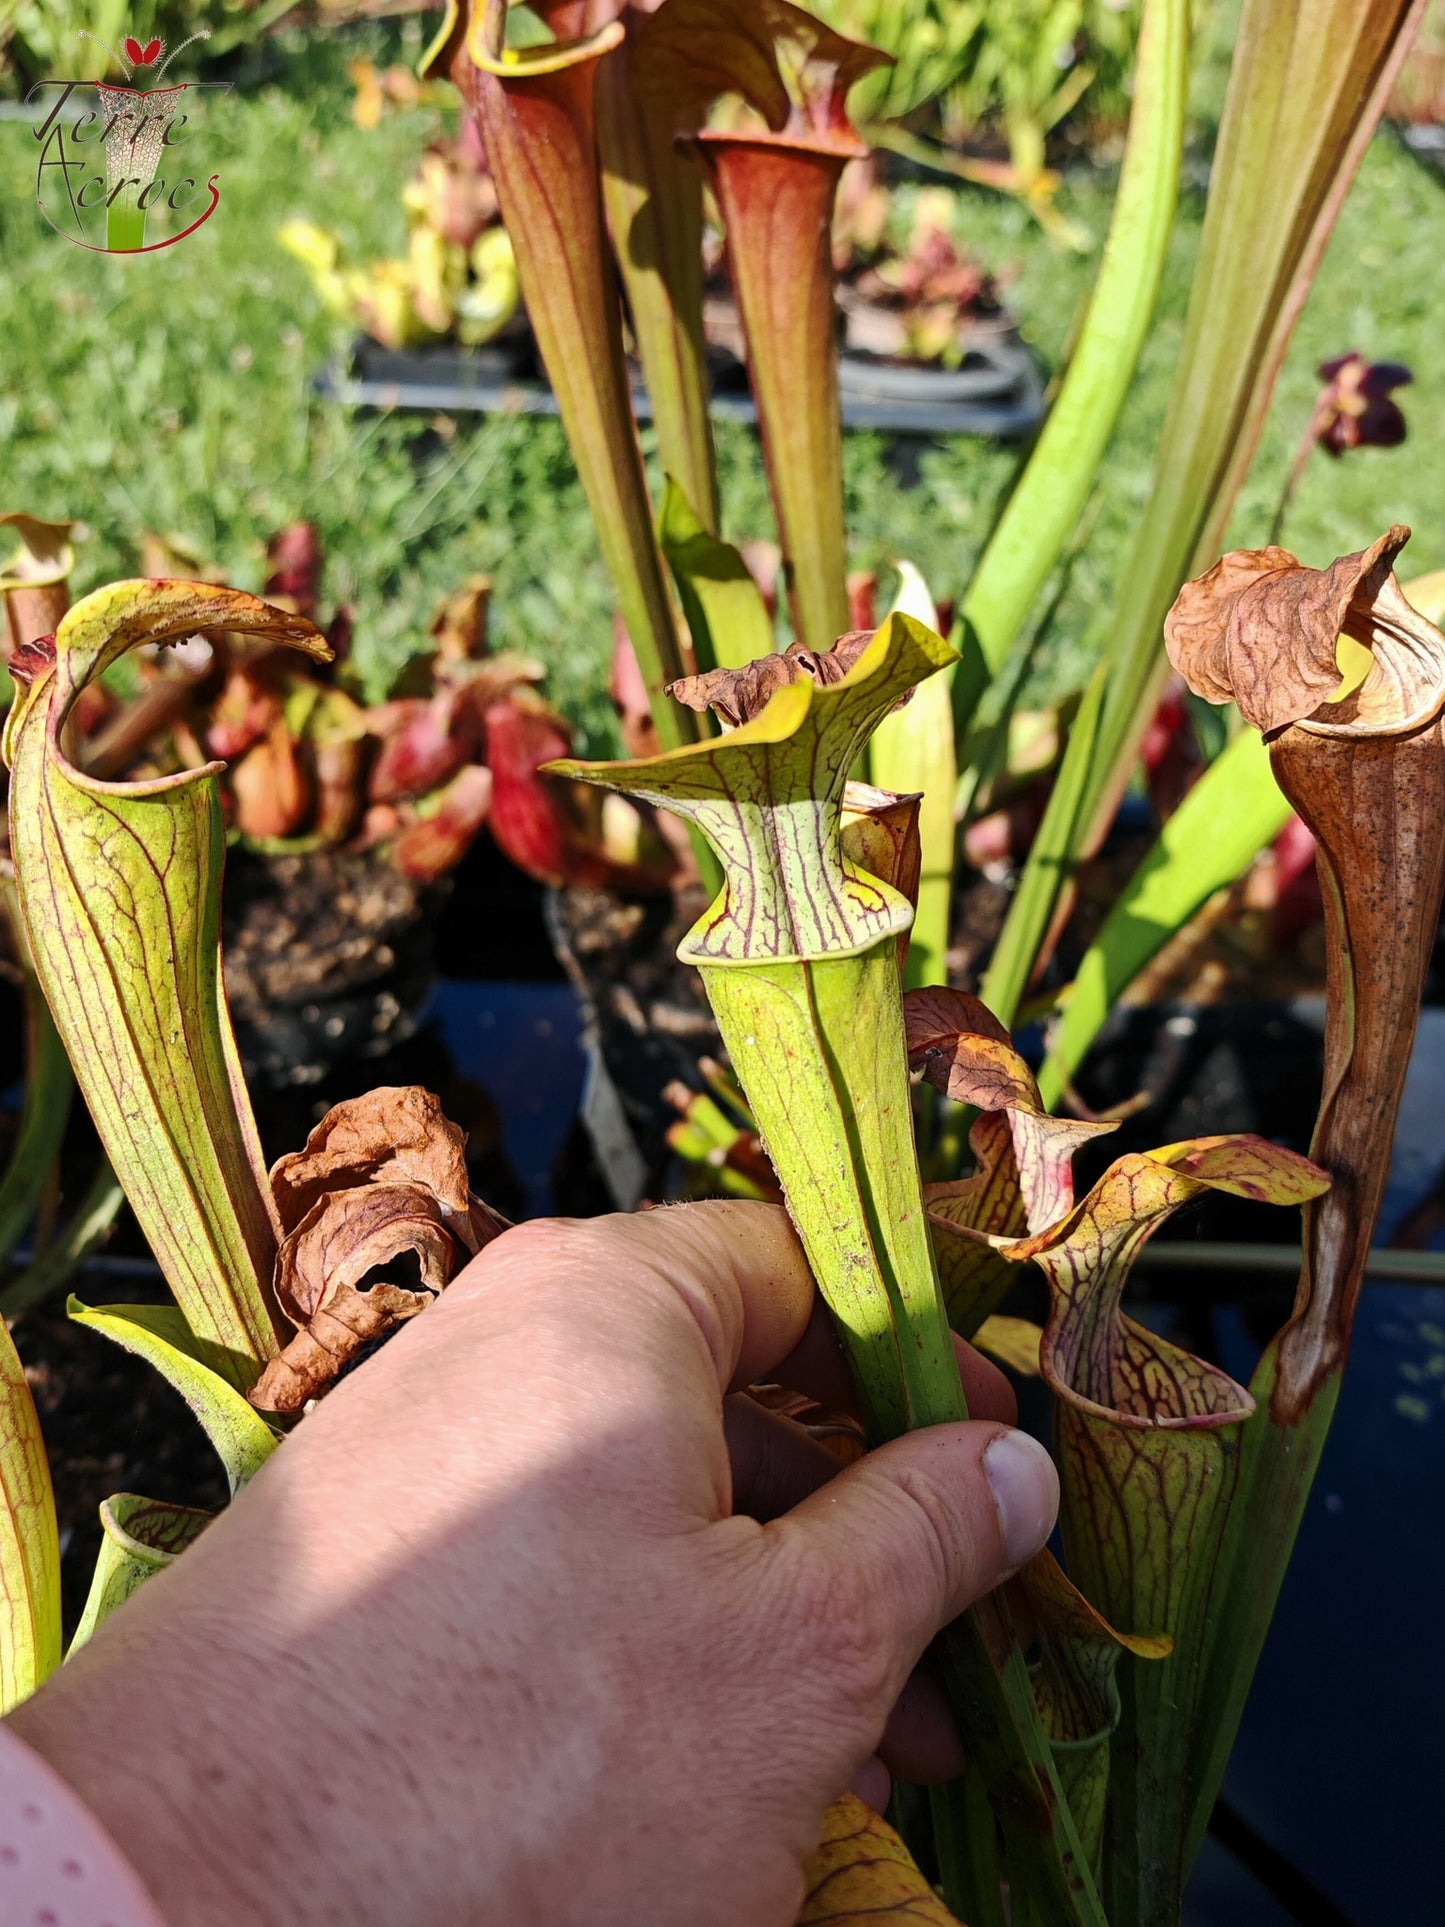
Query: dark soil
{"type": "Point", "coordinates": [328, 957]}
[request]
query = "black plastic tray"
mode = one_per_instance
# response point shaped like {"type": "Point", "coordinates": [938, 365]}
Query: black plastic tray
{"type": "Point", "coordinates": [998, 391]}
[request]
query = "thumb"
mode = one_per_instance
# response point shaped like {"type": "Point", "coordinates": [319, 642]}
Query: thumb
{"type": "Point", "coordinates": [903, 1541]}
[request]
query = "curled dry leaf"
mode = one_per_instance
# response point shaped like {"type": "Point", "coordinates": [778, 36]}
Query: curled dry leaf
{"type": "Point", "coordinates": [377, 1217]}
{"type": "Point", "coordinates": [737, 695]}
{"type": "Point", "coordinates": [862, 1871]}
{"type": "Point", "coordinates": [1366, 775]}
{"type": "Point", "coordinates": [1024, 1157]}
{"type": "Point", "coordinates": [1264, 630]}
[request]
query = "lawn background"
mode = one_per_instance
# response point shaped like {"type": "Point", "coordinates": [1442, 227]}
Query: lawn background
{"type": "Point", "coordinates": [173, 392]}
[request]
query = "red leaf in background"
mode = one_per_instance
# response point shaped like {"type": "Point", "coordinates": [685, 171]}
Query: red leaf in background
{"type": "Point", "coordinates": [629, 696]}
{"type": "Point", "coordinates": [270, 787]}
{"type": "Point", "coordinates": [527, 819]}
{"type": "Point", "coordinates": [244, 712]}
{"type": "Point", "coordinates": [294, 555]}
{"type": "Point", "coordinates": [1170, 752]}
{"type": "Point", "coordinates": [551, 826]}
{"type": "Point", "coordinates": [1297, 903]}
{"type": "Point", "coordinates": [338, 633]}
{"type": "Point", "coordinates": [863, 599]}
{"type": "Point", "coordinates": [424, 744]}
{"type": "Point", "coordinates": [434, 844]}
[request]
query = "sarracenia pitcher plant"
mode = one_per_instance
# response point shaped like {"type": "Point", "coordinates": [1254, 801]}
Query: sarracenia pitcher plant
{"type": "Point", "coordinates": [281, 1281]}
{"type": "Point", "coordinates": [1091, 1790]}
{"type": "Point", "coordinates": [1095, 1749]}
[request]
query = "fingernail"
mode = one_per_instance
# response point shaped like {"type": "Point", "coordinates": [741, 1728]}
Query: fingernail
{"type": "Point", "coordinates": [1025, 1489]}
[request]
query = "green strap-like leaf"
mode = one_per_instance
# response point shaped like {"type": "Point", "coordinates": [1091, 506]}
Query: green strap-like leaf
{"type": "Point", "coordinates": [1050, 864]}
{"type": "Point", "coordinates": [160, 1335]}
{"type": "Point", "coordinates": [120, 891]}
{"type": "Point", "coordinates": [29, 1541]}
{"type": "Point", "coordinates": [725, 611]}
{"type": "Point", "coordinates": [1045, 507]}
{"type": "Point", "coordinates": [89, 1225]}
{"type": "Point", "coordinates": [1231, 813]}
{"type": "Point", "coordinates": [140, 1536]}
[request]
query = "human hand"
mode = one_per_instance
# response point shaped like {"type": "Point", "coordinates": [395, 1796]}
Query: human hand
{"type": "Point", "coordinates": [493, 1639]}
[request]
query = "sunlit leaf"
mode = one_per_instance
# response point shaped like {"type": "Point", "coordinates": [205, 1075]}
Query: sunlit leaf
{"type": "Point", "coordinates": [536, 110]}
{"type": "Point", "coordinates": [913, 750]}
{"type": "Point", "coordinates": [800, 960]}
{"type": "Point", "coordinates": [160, 1335]}
{"type": "Point", "coordinates": [775, 187]}
{"type": "Point", "coordinates": [863, 1872]}
{"type": "Point", "coordinates": [652, 192]}
{"type": "Point", "coordinates": [29, 1541]}
{"type": "Point", "coordinates": [1232, 813]}
{"type": "Point", "coordinates": [724, 607]}
{"type": "Point", "coordinates": [1045, 506]}
{"type": "Point", "coordinates": [1305, 94]}
{"type": "Point", "coordinates": [1012, 1341]}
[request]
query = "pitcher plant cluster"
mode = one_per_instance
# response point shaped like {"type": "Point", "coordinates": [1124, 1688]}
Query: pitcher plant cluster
{"type": "Point", "coordinates": [827, 786]}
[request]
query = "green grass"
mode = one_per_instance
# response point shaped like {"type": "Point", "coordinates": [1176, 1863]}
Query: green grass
{"type": "Point", "coordinates": [173, 393]}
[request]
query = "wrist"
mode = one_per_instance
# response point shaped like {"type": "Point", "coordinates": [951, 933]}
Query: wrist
{"type": "Point", "coordinates": [142, 1759]}
{"type": "Point", "coordinates": [57, 1862]}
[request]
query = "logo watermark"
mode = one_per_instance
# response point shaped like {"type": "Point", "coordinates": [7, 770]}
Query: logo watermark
{"type": "Point", "coordinates": [111, 164]}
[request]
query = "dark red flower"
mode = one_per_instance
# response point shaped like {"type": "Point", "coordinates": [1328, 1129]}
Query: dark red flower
{"type": "Point", "coordinates": [1354, 409]}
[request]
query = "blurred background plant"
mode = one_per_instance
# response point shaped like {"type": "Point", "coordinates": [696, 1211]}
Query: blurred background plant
{"type": "Point", "coordinates": [45, 39]}
{"type": "Point", "coordinates": [458, 277]}
{"type": "Point", "coordinates": [982, 79]}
